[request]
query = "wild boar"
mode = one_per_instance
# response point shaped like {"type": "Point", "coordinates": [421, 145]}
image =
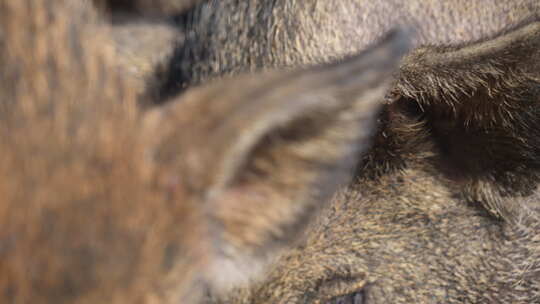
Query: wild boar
{"type": "Point", "coordinates": [103, 201]}
{"type": "Point", "coordinates": [445, 206]}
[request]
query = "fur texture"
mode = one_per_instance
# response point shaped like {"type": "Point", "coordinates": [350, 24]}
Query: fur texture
{"type": "Point", "coordinates": [226, 37]}
{"type": "Point", "coordinates": [105, 202]}
{"type": "Point", "coordinates": [445, 205]}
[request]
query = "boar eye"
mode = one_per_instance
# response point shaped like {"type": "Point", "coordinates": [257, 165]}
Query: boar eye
{"type": "Point", "coordinates": [352, 298]}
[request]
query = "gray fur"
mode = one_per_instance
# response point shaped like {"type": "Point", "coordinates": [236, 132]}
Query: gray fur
{"type": "Point", "coordinates": [231, 36]}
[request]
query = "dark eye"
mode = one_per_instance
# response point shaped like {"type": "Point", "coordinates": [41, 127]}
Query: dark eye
{"type": "Point", "coordinates": [352, 298]}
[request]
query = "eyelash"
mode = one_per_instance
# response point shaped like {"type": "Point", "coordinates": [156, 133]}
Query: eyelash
{"type": "Point", "coordinates": [352, 298]}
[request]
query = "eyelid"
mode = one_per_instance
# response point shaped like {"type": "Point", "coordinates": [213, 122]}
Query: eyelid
{"type": "Point", "coordinates": [339, 286]}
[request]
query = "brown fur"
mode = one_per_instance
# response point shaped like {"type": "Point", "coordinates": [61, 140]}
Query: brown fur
{"type": "Point", "coordinates": [103, 202]}
{"type": "Point", "coordinates": [445, 206]}
{"type": "Point", "coordinates": [233, 36]}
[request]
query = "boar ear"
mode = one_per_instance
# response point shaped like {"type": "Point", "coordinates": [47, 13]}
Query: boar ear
{"type": "Point", "coordinates": [266, 151]}
{"type": "Point", "coordinates": [482, 104]}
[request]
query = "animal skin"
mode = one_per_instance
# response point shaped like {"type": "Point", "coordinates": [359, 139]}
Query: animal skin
{"type": "Point", "coordinates": [226, 37]}
{"type": "Point", "coordinates": [444, 208]}
{"type": "Point", "coordinates": [211, 38]}
{"type": "Point", "coordinates": [106, 202]}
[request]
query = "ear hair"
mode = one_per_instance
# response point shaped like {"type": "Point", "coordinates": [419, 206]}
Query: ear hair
{"type": "Point", "coordinates": [480, 103]}
{"type": "Point", "coordinates": [266, 151]}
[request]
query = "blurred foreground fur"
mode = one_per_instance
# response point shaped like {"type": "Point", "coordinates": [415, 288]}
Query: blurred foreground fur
{"type": "Point", "coordinates": [103, 202]}
{"type": "Point", "coordinates": [445, 207]}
